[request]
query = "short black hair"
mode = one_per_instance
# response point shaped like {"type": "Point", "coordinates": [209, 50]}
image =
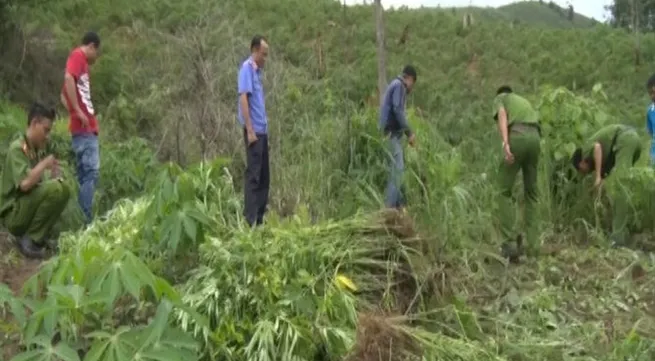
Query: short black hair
{"type": "Point", "coordinates": [650, 84]}
{"type": "Point", "coordinates": [409, 70]}
{"type": "Point", "coordinates": [91, 38]}
{"type": "Point", "coordinates": [38, 110]}
{"type": "Point", "coordinates": [256, 42]}
{"type": "Point", "coordinates": [576, 158]}
{"type": "Point", "coordinates": [504, 89]}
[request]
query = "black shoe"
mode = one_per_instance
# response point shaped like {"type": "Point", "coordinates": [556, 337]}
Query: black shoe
{"type": "Point", "coordinates": [27, 247]}
{"type": "Point", "coordinates": [513, 250]}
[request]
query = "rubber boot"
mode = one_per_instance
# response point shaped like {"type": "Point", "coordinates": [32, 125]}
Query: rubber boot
{"type": "Point", "coordinates": [27, 247]}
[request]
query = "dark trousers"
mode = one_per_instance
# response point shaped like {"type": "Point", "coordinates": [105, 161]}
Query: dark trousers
{"type": "Point", "coordinates": [257, 179]}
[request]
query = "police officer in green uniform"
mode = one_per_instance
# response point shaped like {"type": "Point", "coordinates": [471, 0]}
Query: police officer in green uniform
{"type": "Point", "coordinates": [518, 124]}
{"type": "Point", "coordinates": [32, 195]}
{"type": "Point", "coordinates": [614, 146]}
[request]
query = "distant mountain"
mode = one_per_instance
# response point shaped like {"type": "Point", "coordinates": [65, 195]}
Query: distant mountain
{"type": "Point", "coordinates": [546, 13]}
{"type": "Point", "coordinates": [539, 13]}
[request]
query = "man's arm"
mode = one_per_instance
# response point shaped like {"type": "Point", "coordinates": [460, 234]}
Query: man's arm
{"type": "Point", "coordinates": [62, 99]}
{"type": "Point", "coordinates": [245, 111]}
{"type": "Point", "coordinates": [34, 175]}
{"type": "Point", "coordinates": [69, 88]}
{"type": "Point", "coordinates": [598, 160]}
{"type": "Point", "coordinates": [397, 96]}
{"type": "Point", "coordinates": [74, 68]}
{"type": "Point", "coordinates": [24, 178]}
{"type": "Point", "coordinates": [502, 125]}
{"type": "Point", "coordinates": [245, 89]}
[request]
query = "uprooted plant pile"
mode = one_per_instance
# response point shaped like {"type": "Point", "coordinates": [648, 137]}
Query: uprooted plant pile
{"type": "Point", "coordinates": [291, 289]}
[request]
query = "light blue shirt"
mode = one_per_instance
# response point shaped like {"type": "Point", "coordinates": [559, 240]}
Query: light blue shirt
{"type": "Point", "coordinates": [250, 82]}
{"type": "Point", "coordinates": [650, 127]}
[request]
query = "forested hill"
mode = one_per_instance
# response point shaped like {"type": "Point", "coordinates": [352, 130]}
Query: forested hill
{"type": "Point", "coordinates": [534, 13]}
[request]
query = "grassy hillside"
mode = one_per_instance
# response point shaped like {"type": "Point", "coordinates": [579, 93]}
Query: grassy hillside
{"type": "Point", "coordinates": [170, 272]}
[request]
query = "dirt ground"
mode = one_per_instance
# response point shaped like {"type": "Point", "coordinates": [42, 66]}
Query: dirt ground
{"type": "Point", "coordinates": [14, 271]}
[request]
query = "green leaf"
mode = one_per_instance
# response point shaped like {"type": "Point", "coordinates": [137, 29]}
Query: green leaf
{"type": "Point", "coordinates": [66, 353]}
{"type": "Point", "coordinates": [164, 289]}
{"type": "Point", "coordinates": [190, 228]}
{"type": "Point", "coordinates": [31, 355]}
{"type": "Point", "coordinates": [172, 231]}
{"type": "Point", "coordinates": [158, 325]}
{"type": "Point", "coordinates": [97, 350]}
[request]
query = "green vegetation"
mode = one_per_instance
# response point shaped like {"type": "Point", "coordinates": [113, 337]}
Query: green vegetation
{"type": "Point", "coordinates": [169, 272]}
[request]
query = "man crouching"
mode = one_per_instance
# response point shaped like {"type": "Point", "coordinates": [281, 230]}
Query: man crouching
{"type": "Point", "coordinates": [612, 149]}
{"type": "Point", "coordinates": [31, 201]}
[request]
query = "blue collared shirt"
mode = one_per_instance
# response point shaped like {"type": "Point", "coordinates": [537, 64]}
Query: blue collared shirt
{"type": "Point", "coordinates": [250, 82]}
{"type": "Point", "coordinates": [392, 112]}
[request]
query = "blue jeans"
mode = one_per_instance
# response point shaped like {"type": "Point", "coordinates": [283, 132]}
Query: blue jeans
{"type": "Point", "coordinates": [87, 155]}
{"type": "Point", "coordinates": [394, 196]}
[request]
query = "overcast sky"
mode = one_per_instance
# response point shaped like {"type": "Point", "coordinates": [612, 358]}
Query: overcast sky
{"type": "Point", "coordinates": [590, 8]}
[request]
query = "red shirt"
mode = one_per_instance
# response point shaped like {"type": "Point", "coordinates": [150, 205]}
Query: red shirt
{"type": "Point", "coordinates": [78, 66]}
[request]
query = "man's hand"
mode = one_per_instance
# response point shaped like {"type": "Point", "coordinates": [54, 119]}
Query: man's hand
{"type": "Point", "coordinates": [49, 161]}
{"type": "Point", "coordinates": [55, 170]}
{"type": "Point", "coordinates": [412, 140]}
{"type": "Point", "coordinates": [509, 157]}
{"type": "Point", "coordinates": [83, 118]}
{"type": "Point", "coordinates": [62, 98]}
{"type": "Point", "coordinates": [598, 183]}
{"type": "Point", "coordinates": [252, 137]}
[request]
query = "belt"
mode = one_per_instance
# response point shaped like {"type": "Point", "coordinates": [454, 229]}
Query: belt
{"type": "Point", "coordinates": [523, 127]}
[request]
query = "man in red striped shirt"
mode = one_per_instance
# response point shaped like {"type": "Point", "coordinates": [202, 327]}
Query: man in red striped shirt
{"type": "Point", "coordinates": [83, 125]}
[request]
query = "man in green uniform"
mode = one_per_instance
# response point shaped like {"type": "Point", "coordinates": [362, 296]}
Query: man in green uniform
{"type": "Point", "coordinates": [518, 124]}
{"type": "Point", "coordinates": [31, 200]}
{"type": "Point", "coordinates": [613, 146]}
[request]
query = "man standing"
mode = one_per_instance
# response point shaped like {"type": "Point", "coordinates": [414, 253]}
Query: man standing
{"type": "Point", "coordinates": [31, 200]}
{"type": "Point", "coordinates": [83, 124]}
{"type": "Point", "coordinates": [650, 117]}
{"type": "Point", "coordinates": [253, 119]}
{"type": "Point", "coordinates": [394, 125]}
{"type": "Point", "coordinates": [614, 145]}
{"type": "Point", "coordinates": [518, 125]}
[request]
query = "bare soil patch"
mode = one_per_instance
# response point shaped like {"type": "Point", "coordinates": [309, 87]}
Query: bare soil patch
{"type": "Point", "coordinates": [15, 270]}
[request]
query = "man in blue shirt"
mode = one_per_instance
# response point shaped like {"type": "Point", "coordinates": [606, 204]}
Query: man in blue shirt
{"type": "Point", "coordinates": [650, 117]}
{"type": "Point", "coordinates": [393, 123]}
{"type": "Point", "coordinates": [253, 119]}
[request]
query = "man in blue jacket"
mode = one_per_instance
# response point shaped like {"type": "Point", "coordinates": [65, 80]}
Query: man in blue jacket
{"type": "Point", "coordinates": [393, 123]}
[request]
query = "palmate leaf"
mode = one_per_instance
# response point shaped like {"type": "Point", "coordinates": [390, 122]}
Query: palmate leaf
{"type": "Point", "coordinates": [121, 272]}
{"type": "Point", "coordinates": [156, 328]}
{"type": "Point", "coordinates": [42, 320]}
{"type": "Point", "coordinates": [182, 226]}
{"type": "Point", "coordinates": [127, 273]}
{"type": "Point", "coordinates": [107, 346]}
{"type": "Point", "coordinates": [44, 351]}
{"type": "Point", "coordinates": [81, 267]}
{"type": "Point", "coordinates": [16, 306]}
{"type": "Point", "coordinates": [157, 342]}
